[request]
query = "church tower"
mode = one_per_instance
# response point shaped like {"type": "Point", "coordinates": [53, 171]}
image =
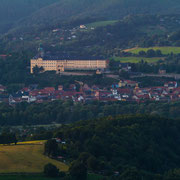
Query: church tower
{"type": "Point", "coordinates": [40, 51]}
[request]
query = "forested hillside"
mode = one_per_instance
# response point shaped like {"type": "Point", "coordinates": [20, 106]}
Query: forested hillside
{"type": "Point", "coordinates": [131, 147]}
{"type": "Point", "coordinates": [72, 9]}
{"type": "Point", "coordinates": [47, 12]}
{"type": "Point", "coordinates": [32, 22]}
{"type": "Point", "coordinates": [12, 11]}
{"type": "Point", "coordinates": [131, 31]}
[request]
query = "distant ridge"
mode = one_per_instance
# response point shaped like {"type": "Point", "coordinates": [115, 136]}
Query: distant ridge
{"type": "Point", "coordinates": [65, 10]}
{"type": "Point", "coordinates": [20, 14]}
{"type": "Point", "coordinates": [14, 10]}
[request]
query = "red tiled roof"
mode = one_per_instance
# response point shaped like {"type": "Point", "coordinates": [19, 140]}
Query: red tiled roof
{"type": "Point", "coordinates": [130, 82]}
{"type": "Point", "coordinates": [124, 91]}
{"type": "Point", "coordinates": [49, 88]}
{"type": "Point", "coordinates": [145, 96]}
{"type": "Point", "coordinates": [25, 89]}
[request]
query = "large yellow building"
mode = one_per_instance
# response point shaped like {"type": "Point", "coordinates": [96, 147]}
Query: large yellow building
{"type": "Point", "coordinates": [58, 65]}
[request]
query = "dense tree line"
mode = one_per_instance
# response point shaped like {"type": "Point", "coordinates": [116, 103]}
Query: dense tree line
{"type": "Point", "coordinates": [8, 138]}
{"type": "Point", "coordinates": [171, 64]}
{"type": "Point", "coordinates": [150, 53]}
{"type": "Point", "coordinates": [67, 112]}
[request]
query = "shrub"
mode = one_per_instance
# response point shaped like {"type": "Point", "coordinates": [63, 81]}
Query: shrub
{"type": "Point", "coordinates": [51, 170]}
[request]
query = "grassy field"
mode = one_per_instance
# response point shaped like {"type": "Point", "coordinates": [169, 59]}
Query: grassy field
{"type": "Point", "coordinates": [25, 157]}
{"type": "Point", "coordinates": [165, 50]}
{"type": "Point", "coordinates": [100, 23]}
{"type": "Point", "coordinates": [137, 59]}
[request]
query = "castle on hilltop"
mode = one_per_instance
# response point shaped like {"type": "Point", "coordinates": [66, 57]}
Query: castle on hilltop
{"type": "Point", "coordinates": [63, 63]}
{"type": "Point", "coordinates": [66, 62]}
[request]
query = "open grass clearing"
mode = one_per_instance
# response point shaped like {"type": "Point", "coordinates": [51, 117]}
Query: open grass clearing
{"type": "Point", "coordinates": [26, 157]}
{"type": "Point", "coordinates": [165, 50]}
{"type": "Point", "coordinates": [137, 59]}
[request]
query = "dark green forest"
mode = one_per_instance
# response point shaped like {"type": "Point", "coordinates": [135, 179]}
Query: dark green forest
{"type": "Point", "coordinates": [16, 10]}
{"type": "Point", "coordinates": [137, 147]}
{"type": "Point", "coordinates": [67, 112]}
{"type": "Point", "coordinates": [116, 9]}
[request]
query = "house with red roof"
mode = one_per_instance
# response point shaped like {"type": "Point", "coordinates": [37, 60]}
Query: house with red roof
{"type": "Point", "coordinates": [127, 83]}
{"type": "Point", "coordinates": [2, 88]}
{"type": "Point", "coordinates": [171, 85]}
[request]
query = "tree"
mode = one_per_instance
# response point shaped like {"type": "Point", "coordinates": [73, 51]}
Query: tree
{"type": "Point", "coordinates": [37, 70]}
{"type": "Point", "coordinates": [13, 139]}
{"type": "Point", "coordinates": [78, 170]}
{"type": "Point", "coordinates": [158, 53]}
{"type": "Point", "coordinates": [124, 74]}
{"type": "Point", "coordinates": [83, 157]}
{"type": "Point", "coordinates": [142, 53]}
{"type": "Point", "coordinates": [130, 173]}
{"type": "Point", "coordinates": [92, 163]}
{"type": "Point", "coordinates": [51, 170]}
{"type": "Point", "coordinates": [51, 147]}
{"type": "Point", "coordinates": [8, 138]}
{"type": "Point", "coordinates": [151, 53]}
{"type": "Point", "coordinates": [173, 174]}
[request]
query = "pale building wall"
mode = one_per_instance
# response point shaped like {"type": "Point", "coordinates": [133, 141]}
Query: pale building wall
{"type": "Point", "coordinates": [61, 65]}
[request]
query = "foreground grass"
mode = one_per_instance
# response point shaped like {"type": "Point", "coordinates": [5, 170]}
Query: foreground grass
{"type": "Point", "coordinates": [94, 177]}
{"type": "Point", "coordinates": [137, 59]}
{"type": "Point", "coordinates": [26, 157]}
{"type": "Point", "coordinates": [42, 177]}
{"type": "Point", "coordinates": [165, 50]}
{"type": "Point", "coordinates": [25, 177]}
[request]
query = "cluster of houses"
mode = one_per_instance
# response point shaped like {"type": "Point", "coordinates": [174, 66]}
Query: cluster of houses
{"type": "Point", "coordinates": [125, 90]}
{"type": "Point", "coordinates": [169, 92]}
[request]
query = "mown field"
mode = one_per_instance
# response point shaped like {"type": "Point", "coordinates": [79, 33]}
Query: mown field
{"type": "Point", "coordinates": [26, 158]}
{"type": "Point", "coordinates": [165, 50]}
{"type": "Point", "coordinates": [22, 161]}
{"type": "Point", "coordinates": [137, 59]}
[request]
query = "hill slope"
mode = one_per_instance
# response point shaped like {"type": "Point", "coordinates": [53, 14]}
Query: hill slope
{"type": "Point", "coordinates": [114, 9]}
{"type": "Point", "coordinates": [148, 143]}
{"type": "Point", "coordinates": [12, 11]}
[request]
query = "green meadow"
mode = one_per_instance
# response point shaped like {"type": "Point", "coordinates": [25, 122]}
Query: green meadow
{"type": "Point", "coordinates": [25, 158]}
{"type": "Point", "coordinates": [137, 59]}
{"type": "Point", "coordinates": [165, 50]}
